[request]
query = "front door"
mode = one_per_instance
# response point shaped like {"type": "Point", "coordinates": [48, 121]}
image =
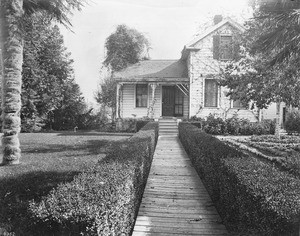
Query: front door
{"type": "Point", "coordinates": [168, 104]}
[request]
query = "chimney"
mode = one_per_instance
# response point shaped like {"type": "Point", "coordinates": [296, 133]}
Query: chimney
{"type": "Point", "coordinates": [217, 19]}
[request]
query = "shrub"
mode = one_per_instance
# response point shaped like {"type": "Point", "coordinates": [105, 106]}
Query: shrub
{"type": "Point", "coordinates": [292, 123]}
{"type": "Point", "coordinates": [234, 126]}
{"type": "Point", "coordinates": [214, 125]}
{"type": "Point", "coordinates": [103, 200]}
{"type": "Point", "coordinates": [250, 195]}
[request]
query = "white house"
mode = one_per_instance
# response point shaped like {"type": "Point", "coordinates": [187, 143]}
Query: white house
{"type": "Point", "coordinates": [186, 87]}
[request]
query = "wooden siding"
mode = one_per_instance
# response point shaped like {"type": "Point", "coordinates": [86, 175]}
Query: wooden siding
{"type": "Point", "coordinates": [127, 103]}
{"type": "Point", "coordinates": [270, 112]}
{"type": "Point", "coordinates": [201, 66]}
{"type": "Point", "coordinates": [128, 109]}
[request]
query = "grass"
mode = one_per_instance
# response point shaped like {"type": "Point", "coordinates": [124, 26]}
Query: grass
{"type": "Point", "coordinates": [48, 159]}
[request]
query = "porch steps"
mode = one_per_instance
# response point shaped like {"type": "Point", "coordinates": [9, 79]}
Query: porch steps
{"type": "Point", "coordinates": [168, 127]}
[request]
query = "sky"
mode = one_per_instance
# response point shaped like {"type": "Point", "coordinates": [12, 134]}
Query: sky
{"type": "Point", "coordinates": [168, 24]}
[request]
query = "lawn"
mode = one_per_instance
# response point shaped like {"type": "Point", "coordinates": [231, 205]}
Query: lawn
{"type": "Point", "coordinates": [48, 159]}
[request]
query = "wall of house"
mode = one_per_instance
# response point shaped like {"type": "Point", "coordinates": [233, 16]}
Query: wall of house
{"type": "Point", "coordinates": [127, 103]}
{"type": "Point", "coordinates": [270, 112]}
{"type": "Point", "coordinates": [201, 66]}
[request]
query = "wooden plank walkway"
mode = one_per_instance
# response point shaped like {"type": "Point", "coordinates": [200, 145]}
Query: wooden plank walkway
{"type": "Point", "coordinates": [175, 201]}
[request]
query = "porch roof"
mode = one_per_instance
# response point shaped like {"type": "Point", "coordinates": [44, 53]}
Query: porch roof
{"type": "Point", "coordinates": [154, 71]}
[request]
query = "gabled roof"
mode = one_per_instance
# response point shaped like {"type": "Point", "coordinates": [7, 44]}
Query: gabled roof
{"type": "Point", "coordinates": [210, 30]}
{"type": "Point", "coordinates": [191, 45]}
{"type": "Point", "coordinates": [153, 70]}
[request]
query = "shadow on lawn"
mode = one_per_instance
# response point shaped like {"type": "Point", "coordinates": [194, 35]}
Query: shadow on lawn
{"type": "Point", "coordinates": [16, 193]}
{"type": "Point", "coordinates": [90, 147]}
{"type": "Point", "coordinates": [94, 134]}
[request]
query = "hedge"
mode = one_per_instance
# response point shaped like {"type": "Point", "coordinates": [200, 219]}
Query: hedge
{"type": "Point", "coordinates": [103, 200]}
{"type": "Point", "coordinates": [251, 196]}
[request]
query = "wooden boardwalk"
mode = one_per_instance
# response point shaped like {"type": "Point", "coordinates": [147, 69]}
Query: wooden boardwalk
{"type": "Point", "coordinates": [175, 202]}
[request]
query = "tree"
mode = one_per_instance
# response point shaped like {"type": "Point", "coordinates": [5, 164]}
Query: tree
{"type": "Point", "coordinates": [47, 73]}
{"type": "Point", "coordinates": [124, 47]}
{"type": "Point", "coordinates": [280, 35]}
{"type": "Point", "coordinates": [106, 94]}
{"type": "Point", "coordinates": [268, 70]}
{"type": "Point", "coordinates": [11, 45]}
{"type": "Point", "coordinates": [71, 107]}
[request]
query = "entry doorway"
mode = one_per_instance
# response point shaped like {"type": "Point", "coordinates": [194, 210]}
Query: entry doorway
{"type": "Point", "coordinates": [172, 101]}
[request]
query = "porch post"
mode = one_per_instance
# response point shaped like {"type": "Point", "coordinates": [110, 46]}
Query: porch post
{"type": "Point", "coordinates": [151, 107]}
{"type": "Point", "coordinates": [118, 101]}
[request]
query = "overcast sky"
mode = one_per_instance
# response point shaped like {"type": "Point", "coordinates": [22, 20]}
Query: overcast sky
{"type": "Point", "coordinates": [168, 24]}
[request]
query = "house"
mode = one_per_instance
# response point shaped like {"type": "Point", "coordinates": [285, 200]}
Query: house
{"type": "Point", "coordinates": [186, 87]}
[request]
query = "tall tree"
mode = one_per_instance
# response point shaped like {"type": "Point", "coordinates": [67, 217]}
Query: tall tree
{"type": "Point", "coordinates": [268, 70]}
{"type": "Point", "coordinates": [47, 69]}
{"type": "Point", "coordinates": [280, 37]}
{"type": "Point", "coordinates": [11, 45]}
{"type": "Point", "coordinates": [124, 47]}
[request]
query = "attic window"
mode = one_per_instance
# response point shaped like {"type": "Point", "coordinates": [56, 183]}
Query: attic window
{"type": "Point", "coordinates": [222, 47]}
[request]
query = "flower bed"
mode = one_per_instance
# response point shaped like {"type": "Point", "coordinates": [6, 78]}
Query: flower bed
{"type": "Point", "coordinates": [103, 200]}
{"type": "Point", "coordinates": [251, 196]}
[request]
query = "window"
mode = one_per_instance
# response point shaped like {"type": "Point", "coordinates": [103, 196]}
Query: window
{"type": "Point", "coordinates": [226, 48]}
{"type": "Point", "coordinates": [211, 93]}
{"type": "Point", "coordinates": [222, 47]}
{"type": "Point", "coordinates": [179, 100]}
{"type": "Point", "coordinates": [237, 104]}
{"type": "Point", "coordinates": [141, 95]}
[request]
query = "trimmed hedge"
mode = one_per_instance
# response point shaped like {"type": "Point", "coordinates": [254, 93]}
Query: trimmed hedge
{"type": "Point", "coordinates": [103, 200]}
{"type": "Point", "coordinates": [140, 124]}
{"type": "Point", "coordinates": [251, 196]}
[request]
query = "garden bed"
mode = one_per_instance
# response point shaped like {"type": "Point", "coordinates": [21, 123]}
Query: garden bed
{"type": "Point", "coordinates": [284, 152]}
{"type": "Point", "coordinates": [252, 197]}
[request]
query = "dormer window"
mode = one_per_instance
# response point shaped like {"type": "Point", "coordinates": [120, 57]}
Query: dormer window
{"type": "Point", "coordinates": [222, 47]}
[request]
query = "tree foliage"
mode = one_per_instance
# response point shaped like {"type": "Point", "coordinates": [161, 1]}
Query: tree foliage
{"type": "Point", "coordinates": [49, 92]}
{"type": "Point", "coordinates": [268, 69]}
{"type": "Point", "coordinates": [280, 36]}
{"type": "Point", "coordinates": [124, 47]}
{"type": "Point", "coordinates": [106, 93]}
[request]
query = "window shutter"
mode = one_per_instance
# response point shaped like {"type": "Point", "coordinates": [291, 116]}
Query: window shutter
{"type": "Point", "coordinates": [216, 47]}
{"type": "Point", "coordinates": [236, 51]}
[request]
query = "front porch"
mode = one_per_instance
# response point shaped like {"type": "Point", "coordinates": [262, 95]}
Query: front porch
{"type": "Point", "coordinates": [153, 100]}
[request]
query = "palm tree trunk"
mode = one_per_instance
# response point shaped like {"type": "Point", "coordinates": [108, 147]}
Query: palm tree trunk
{"type": "Point", "coordinates": [12, 57]}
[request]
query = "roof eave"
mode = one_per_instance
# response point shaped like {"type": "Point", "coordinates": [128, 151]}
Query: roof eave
{"type": "Point", "coordinates": [214, 28]}
{"type": "Point", "coordinates": [134, 80]}
{"type": "Point", "coordinates": [186, 51]}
